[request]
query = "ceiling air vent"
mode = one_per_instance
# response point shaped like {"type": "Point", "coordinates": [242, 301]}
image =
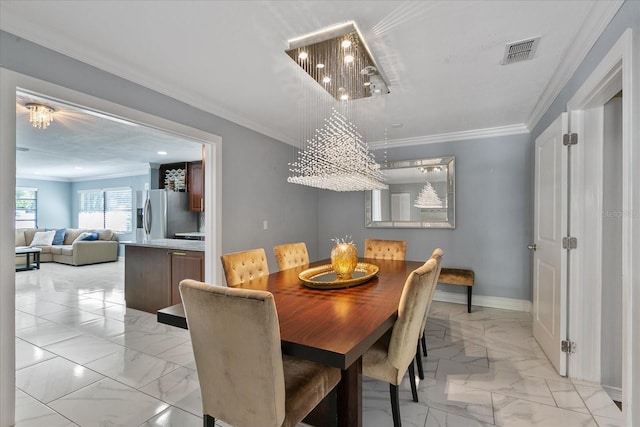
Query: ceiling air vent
{"type": "Point", "coordinates": [520, 50]}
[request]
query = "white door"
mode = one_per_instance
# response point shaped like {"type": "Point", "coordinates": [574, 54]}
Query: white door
{"type": "Point", "coordinates": [550, 226]}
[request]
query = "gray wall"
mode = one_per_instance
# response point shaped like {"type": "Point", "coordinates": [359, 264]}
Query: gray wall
{"type": "Point", "coordinates": [493, 215]}
{"type": "Point", "coordinates": [54, 202]}
{"type": "Point", "coordinates": [254, 166]}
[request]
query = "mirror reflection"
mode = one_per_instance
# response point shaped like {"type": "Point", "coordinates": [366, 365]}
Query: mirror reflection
{"type": "Point", "coordinates": [421, 194]}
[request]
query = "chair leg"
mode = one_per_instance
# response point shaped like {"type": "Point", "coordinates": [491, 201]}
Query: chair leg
{"type": "Point", "coordinates": [208, 421]}
{"type": "Point", "coordinates": [419, 362]}
{"type": "Point", "coordinates": [424, 344]}
{"type": "Point", "coordinates": [412, 381]}
{"type": "Point", "coordinates": [469, 299]}
{"type": "Point", "coordinates": [395, 405]}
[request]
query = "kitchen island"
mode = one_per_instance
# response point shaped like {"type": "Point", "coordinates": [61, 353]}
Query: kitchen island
{"type": "Point", "coordinates": [153, 270]}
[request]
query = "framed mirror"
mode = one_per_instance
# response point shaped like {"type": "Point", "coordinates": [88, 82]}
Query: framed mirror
{"type": "Point", "coordinates": [421, 194]}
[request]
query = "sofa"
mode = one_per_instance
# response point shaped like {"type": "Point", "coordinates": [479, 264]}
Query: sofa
{"type": "Point", "coordinates": [72, 251]}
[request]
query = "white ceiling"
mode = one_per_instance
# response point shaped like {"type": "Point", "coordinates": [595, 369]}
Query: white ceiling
{"type": "Point", "coordinates": [442, 58]}
{"type": "Point", "coordinates": [81, 144]}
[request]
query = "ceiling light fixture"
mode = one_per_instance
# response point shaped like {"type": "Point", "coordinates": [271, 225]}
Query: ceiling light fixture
{"type": "Point", "coordinates": [344, 55]}
{"type": "Point", "coordinates": [332, 152]}
{"type": "Point", "coordinates": [40, 115]}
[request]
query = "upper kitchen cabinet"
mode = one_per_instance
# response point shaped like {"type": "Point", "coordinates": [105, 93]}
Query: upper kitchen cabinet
{"type": "Point", "coordinates": [196, 186]}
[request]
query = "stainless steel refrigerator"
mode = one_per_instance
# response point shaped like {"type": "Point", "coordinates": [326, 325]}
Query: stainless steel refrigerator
{"type": "Point", "coordinates": [162, 213]}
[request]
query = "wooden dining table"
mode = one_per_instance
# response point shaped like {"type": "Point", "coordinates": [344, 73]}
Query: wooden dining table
{"type": "Point", "coordinates": [333, 327]}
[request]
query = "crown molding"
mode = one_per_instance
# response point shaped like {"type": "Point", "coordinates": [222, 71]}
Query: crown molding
{"type": "Point", "coordinates": [452, 136]}
{"type": "Point", "coordinates": [41, 177]}
{"type": "Point", "coordinates": [83, 178]}
{"type": "Point", "coordinates": [600, 15]}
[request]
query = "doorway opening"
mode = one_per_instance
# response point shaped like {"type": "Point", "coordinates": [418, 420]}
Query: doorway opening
{"type": "Point", "coordinates": [611, 322]}
{"type": "Point", "coordinates": [10, 83]}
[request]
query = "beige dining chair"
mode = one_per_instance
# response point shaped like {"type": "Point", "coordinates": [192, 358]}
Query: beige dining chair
{"type": "Point", "coordinates": [385, 249]}
{"type": "Point", "coordinates": [391, 356]}
{"type": "Point", "coordinates": [422, 340]}
{"type": "Point", "coordinates": [240, 267]}
{"type": "Point", "coordinates": [291, 255]}
{"type": "Point", "coordinates": [247, 381]}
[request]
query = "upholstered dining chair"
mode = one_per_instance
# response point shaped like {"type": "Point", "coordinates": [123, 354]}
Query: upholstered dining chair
{"type": "Point", "coordinates": [391, 356]}
{"type": "Point", "coordinates": [291, 255]}
{"type": "Point", "coordinates": [385, 249]}
{"type": "Point", "coordinates": [240, 267]}
{"type": "Point", "coordinates": [422, 340]}
{"type": "Point", "coordinates": [247, 382]}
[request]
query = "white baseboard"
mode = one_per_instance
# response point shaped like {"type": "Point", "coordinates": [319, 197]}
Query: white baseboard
{"type": "Point", "coordinates": [484, 301]}
{"type": "Point", "coordinates": [614, 393]}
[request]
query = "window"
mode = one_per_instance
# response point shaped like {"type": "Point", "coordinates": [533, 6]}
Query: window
{"type": "Point", "coordinates": [110, 208]}
{"type": "Point", "coordinates": [26, 207]}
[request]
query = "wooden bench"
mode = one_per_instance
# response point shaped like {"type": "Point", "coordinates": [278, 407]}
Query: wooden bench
{"type": "Point", "coordinates": [458, 276]}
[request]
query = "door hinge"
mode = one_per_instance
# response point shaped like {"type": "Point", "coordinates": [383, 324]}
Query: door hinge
{"type": "Point", "coordinates": [570, 139]}
{"type": "Point", "coordinates": [569, 242]}
{"type": "Point", "coordinates": [568, 346]}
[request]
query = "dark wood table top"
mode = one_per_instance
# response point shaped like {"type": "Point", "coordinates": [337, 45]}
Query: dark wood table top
{"type": "Point", "coordinates": [335, 327]}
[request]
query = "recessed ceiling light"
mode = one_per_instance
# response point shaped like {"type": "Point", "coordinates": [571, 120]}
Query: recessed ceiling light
{"type": "Point", "coordinates": [348, 59]}
{"type": "Point", "coordinates": [303, 55]}
{"type": "Point", "coordinates": [320, 65]}
{"type": "Point", "coordinates": [326, 80]}
{"type": "Point", "coordinates": [345, 43]}
{"type": "Point", "coordinates": [367, 83]}
{"type": "Point", "coordinates": [344, 97]}
{"type": "Point", "coordinates": [162, 153]}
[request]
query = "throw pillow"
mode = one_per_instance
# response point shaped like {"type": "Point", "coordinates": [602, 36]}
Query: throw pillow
{"type": "Point", "coordinates": [58, 239]}
{"type": "Point", "coordinates": [43, 238]}
{"type": "Point", "coordinates": [81, 236]}
{"type": "Point", "coordinates": [89, 236]}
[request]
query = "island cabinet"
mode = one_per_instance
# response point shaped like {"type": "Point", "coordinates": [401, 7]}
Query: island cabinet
{"type": "Point", "coordinates": [196, 186]}
{"type": "Point", "coordinates": [184, 265]}
{"type": "Point", "coordinates": [152, 275]}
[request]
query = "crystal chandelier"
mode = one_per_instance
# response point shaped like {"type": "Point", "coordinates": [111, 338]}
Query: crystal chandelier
{"type": "Point", "coordinates": [337, 159]}
{"type": "Point", "coordinates": [333, 153]}
{"type": "Point", "coordinates": [40, 115]}
{"type": "Point", "coordinates": [428, 198]}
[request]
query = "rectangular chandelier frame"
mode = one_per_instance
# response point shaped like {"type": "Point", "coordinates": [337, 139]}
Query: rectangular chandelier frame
{"type": "Point", "coordinates": [340, 61]}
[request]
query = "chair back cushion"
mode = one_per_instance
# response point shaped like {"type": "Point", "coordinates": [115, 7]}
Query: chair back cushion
{"type": "Point", "coordinates": [291, 255]}
{"type": "Point", "coordinates": [236, 343]}
{"type": "Point", "coordinates": [411, 310]}
{"type": "Point", "coordinates": [385, 249]}
{"type": "Point", "coordinates": [437, 255]}
{"type": "Point", "coordinates": [240, 267]}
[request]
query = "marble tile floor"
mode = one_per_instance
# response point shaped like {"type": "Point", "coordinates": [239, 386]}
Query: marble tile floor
{"type": "Point", "coordinates": [84, 359]}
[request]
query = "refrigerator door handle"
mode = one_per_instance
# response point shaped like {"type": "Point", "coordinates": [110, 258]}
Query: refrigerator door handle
{"type": "Point", "coordinates": [147, 217]}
